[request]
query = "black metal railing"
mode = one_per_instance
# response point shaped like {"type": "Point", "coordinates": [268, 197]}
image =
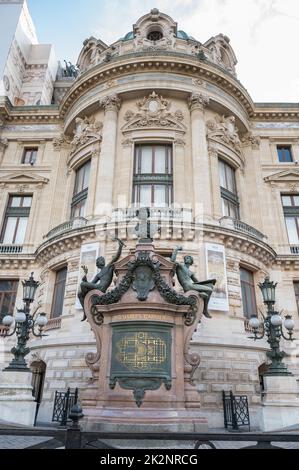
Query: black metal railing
{"type": "Point", "coordinates": [235, 410]}
{"type": "Point", "coordinates": [64, 401]}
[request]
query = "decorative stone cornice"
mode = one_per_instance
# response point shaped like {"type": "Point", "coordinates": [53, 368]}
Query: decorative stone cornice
{"type": "Point", "coordinates": [110, 102]}
{"type": "Point", "coordinates": [198, 101]}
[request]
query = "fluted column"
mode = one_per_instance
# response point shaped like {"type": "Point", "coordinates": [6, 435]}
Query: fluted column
{"type": "Point", "coordinates": [105, 176]}
{"type": "Point", "coordinates": [200, 156]}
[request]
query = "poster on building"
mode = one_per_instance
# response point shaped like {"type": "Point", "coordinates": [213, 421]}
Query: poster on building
{"type": "Point", "coordinates": [216, 269]}
{"type": "Point", "coordinates": [89, 255]}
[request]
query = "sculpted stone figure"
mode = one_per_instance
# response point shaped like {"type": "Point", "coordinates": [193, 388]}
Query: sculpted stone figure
{"type": "Point", "coordinates": [103, 279]}
{"type": "Point", "coordinates": [189, 282]}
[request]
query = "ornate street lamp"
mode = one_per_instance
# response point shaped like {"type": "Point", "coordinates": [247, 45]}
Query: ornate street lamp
{"type": "Point", "coordinates": [25, 324]}
{"type": "Point", "coordinates": [272, 327]}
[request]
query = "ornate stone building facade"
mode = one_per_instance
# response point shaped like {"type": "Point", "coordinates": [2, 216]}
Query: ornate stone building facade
{"type": "Point", "coordinates": [156, 119]}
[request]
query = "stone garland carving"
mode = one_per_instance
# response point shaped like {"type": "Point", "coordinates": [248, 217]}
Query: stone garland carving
{"type": "Point", "coordinates": [87, 130]}
{"type": "Point", "coordinates": [168, 294]}
{"type": "Point", "coordinates": [154, 111]}
{"type": "Point", "coordinates": [224, 129]}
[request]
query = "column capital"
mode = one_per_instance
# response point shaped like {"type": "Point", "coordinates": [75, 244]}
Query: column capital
{"type": "Point", "coordinates": [110, 102]}
{"type": "Point", "coordinates": [213, 151]}
{"type": "Point", "coordinates": [198, 101]}
{"type": "Point", "coordinates": [3, 144]}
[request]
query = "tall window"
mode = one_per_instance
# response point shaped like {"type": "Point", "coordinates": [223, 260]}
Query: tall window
{"type": "Point", "coordinates": [153, 175]}
{"type": "Point", "coordinates": [296, 289]}
{"type": "Point", "coordinates": [59, 291]}
{"type": "Point", "coordinates": [81, 190]}
{"type": "Point", "coordinates": [229, 196]}
{"type": "Point", "coordinates": [8, 294]}
{"type": "Point", "coordinates": [248, 293]}
{"type": "Point", "coordinates": [16, 220]}
{"type": "Point", "coordinates": [284, 153]}
{"type": "Point", "coordinates": [29, 156]}
{"type": "Point", "coordinates": [291, 214]}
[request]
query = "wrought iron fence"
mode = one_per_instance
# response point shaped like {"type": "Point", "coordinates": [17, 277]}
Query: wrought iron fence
{"type": "Point", "coordinates": [64, 401]}
{"type": "Point", "coordinates": [236, 411]}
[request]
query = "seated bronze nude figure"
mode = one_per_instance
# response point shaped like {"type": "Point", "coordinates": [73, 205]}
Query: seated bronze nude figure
{"type": "Point", "coordinates": [189, 282]}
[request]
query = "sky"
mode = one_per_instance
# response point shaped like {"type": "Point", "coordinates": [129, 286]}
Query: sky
{"type": "Point", "coordinates": [264, 33]}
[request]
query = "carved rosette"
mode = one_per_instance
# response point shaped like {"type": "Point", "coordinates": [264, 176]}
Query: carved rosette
{"type": "Point", "coordinates": [110, 103]}
{"type": "Point", "coordinates": [198, 101]}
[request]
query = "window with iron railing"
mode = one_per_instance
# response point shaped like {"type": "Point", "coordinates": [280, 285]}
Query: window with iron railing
{"type": "Point", "coordinates": [290, 204]}
{"type": "Point", "coordinates": [228, 188]}
{"type": "Point", "coordinates": [248, 293]}
{"type": "Point", "coordinates": [153, 175]}
{"type": "Point", "coordinates": [59, 291]}
{"type": "Point", "coordinates": [81, 191]}
{"type": "Point", "coordinates": [8, 294]}
{"type": "Point", "coordinates": [16, 220]}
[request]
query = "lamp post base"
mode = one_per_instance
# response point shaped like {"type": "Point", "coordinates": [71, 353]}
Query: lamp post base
{"type": "Point", "coordinates": [280, 406]}
{"type": "Point", "coordinates": [17, 405]}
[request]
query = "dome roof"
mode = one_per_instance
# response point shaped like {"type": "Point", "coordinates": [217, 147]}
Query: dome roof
{"type": "Point", "coordinates": [128, 36]}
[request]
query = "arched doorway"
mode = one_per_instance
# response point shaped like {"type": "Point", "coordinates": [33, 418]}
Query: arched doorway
{"type": "Point", "coordinates": [263, 369]}
{"type": "Point", "coordinates": [38, 379]}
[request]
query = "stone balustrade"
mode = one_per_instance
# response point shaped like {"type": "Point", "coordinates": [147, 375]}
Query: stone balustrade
{"type": "Point", "coordinates": [11, 249]}
{"type": "Point", "coordinates": [78, 222]}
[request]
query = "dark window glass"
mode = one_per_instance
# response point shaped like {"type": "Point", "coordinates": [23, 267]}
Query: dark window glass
{"type": "Point", "coordinates": [290, 204]}
{"type": "Point", "coordinates": [16, 220]}
{"type": "Point", "coordinates": [284, 153]}
{"type": "Point", "coordinates": [296, 288]}
{"type": "Point", "coordinates": [228, 187]}
{"type": "Point", "coordinates": [8, 294]}
{"type": "Point", "coordinates": [153, 175]}
{"type": "Point", "coordinates": [155, 36]}
{"type": "Point", "coordinates": [29, 156]}
{"type": "Point", "coordinates": [59, 291]}
{"type": "Point", "coordinates": [248, 293]}
{"type": "Point", "coordinates": [81, 190]}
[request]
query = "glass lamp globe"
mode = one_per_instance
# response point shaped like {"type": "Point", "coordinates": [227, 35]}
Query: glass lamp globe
{"type": "Point", "coordinates": [42, 320]}
{"type": "Point", "coordinates": [289, 323]}
{"type": "Point", "coordinates": [254, 322]}
{"type": "Point", "coordinates": [20, 317]}
{"type": "Point", "coordinates": [8, 320]}
{"type": "Point", "coordinates": [276, 320]}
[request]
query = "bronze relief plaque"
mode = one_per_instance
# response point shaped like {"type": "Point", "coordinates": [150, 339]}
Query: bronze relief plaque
{"type": "Point", "coordinates": [141, 357]}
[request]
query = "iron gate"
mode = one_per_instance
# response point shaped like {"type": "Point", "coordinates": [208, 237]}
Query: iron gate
{"type": "Point", "coordinates": [236, 412]}
{"type": "Point", "coordinates": [64, 401]}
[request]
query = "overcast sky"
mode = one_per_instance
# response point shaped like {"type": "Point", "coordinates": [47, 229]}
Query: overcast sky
{"type": "Point", "coordinates": [264, 33]}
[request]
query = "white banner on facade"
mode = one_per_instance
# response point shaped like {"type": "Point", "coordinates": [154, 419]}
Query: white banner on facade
{"type": "Point", "coordinates": [216, 269]}
{"type": "Point", "coordinates": [89, 255]}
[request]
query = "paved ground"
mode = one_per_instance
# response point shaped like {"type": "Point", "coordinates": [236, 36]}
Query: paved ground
{"type": "Point", "coordinates": [22, 442]}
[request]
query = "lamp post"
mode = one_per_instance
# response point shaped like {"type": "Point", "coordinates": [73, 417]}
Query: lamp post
{"type": "Point", "coordinates": [272, 327]}
{"type": "Point", "coordinates": [24, 325]}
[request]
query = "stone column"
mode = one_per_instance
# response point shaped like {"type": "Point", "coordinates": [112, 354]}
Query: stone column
{"type": "Point", "coordinates": [200, 157]}
{"type": "Point", "coordinates": [181, 186]}
{"type": "Point", "coordinates": [105, 179]}
{"type": "Point", "coordinates": [215, 182]}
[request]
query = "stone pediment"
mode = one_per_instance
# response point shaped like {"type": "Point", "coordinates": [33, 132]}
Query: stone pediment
{"type": "Point", "coordinates": [283, 176]}
{"type": "Point", "coordinates": [154, 112]}
{"type": "Point", "coordinates": [88, 130]}
{"type": "Point", "coordinates": [223, 129]}
{"type": "Point", "coordinates": [23, 178]}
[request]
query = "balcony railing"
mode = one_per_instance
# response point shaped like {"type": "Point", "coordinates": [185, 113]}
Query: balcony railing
{"type": "Point", "coordinates": [156, 213]}
{"type": "Point", "coordinates": [53, 324]}
{"type": "Point", "coordinates": [248, 230]}
{"type": "Point", "coordinates": [11, 249]}
{"type": "Point", "coordinates": [295, 249]}
{"type": "Point", "coordinates": [73, 224]}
